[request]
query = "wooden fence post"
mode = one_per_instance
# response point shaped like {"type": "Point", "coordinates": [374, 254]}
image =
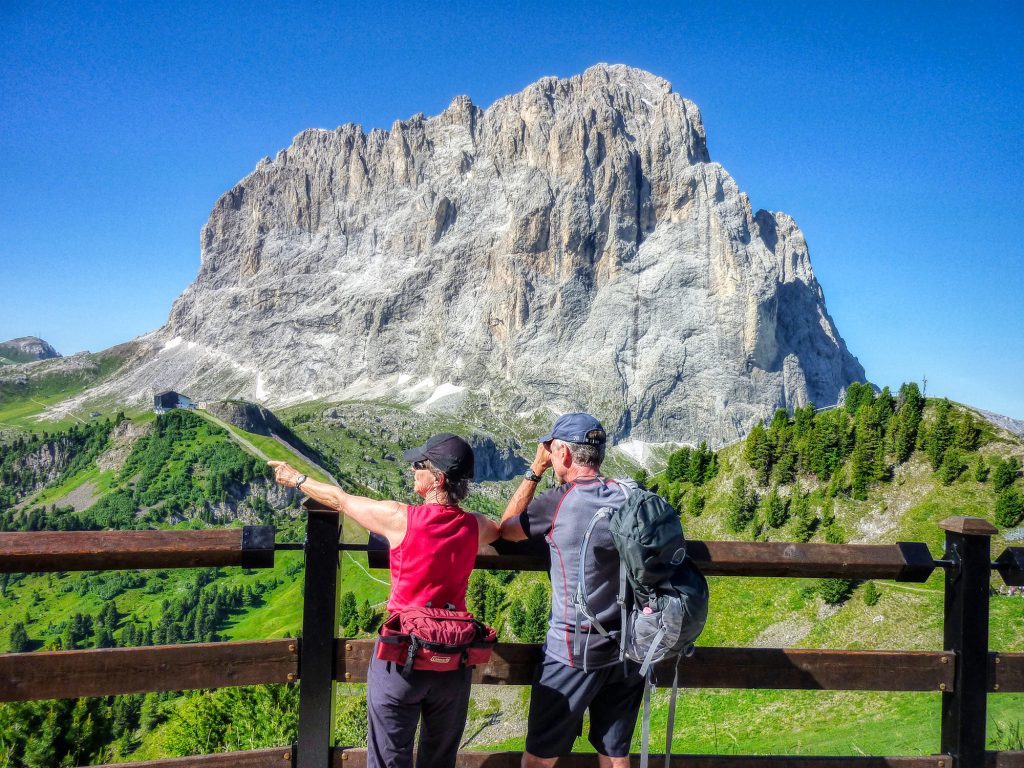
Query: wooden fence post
{"type": "Point", "coordinates": [316, 650]}
{"type": "Point", "coordinates": [968, 575]}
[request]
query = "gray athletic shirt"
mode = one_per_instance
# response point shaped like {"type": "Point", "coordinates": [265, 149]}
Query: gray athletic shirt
{"type": "Point", "coordinates": [561, 516]}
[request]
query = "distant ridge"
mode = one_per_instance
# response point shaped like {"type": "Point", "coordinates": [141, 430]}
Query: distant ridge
{"type": "Point", "coordinates": [26, 349]}
{"type": "Point", "coordinates": [1013, 426]}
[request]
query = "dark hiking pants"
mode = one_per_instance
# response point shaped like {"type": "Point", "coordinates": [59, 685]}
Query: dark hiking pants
{"type": "Point", "coordinates": [395, 704]}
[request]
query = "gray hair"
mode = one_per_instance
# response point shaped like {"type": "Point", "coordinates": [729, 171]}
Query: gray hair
{"type": "Point", "coordinates": [455, 489]}
{"type": "Point", "coordinates": [586, 454]}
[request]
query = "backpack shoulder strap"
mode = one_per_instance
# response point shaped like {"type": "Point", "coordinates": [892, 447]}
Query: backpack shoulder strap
{"type": "Point", "coordinates": [645, 726]}
{"type": "Point", "coordinates": [671, 716]}
{"type": "Point", "coordinates": [581, 599]}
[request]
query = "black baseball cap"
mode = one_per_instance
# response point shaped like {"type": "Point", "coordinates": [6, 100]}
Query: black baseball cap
{"type": "Point", "coordinates": [579, 428]}
{"type": "Point", "coordinates": [449, 453]}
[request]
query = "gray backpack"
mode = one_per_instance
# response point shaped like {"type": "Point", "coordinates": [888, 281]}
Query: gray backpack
{"type": "Point", "coordinates": [663, 597]}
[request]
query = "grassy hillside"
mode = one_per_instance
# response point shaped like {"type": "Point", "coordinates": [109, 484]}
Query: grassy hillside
{"type": "Point", "coordinates": [28, 390]}
{"type": "Point", "coordinates": [12, 356]}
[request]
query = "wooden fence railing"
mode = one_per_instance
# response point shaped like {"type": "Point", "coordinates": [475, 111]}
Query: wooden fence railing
{"type": "Point", "coordinates": [965, 671]}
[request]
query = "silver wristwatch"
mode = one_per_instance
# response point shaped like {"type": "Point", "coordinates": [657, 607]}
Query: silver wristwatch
{"type": "Point", "coordinates": [301, 479]}
{"type": "Point", "coordinates": [532, 476]}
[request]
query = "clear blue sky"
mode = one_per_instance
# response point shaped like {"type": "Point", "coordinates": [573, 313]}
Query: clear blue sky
{"type": "Point", "coordinates": [892, 132]}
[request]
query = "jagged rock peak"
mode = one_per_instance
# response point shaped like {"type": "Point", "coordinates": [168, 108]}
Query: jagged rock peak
{"type": "Point", "coordinates": [571, 246]}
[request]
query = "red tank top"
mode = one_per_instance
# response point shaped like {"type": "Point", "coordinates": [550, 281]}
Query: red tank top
{"type": "Point", "coordinates": [434, 560]}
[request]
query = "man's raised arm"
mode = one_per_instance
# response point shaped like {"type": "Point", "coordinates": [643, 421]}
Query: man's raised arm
{"type": "Point", "coordinates": [511, 526]}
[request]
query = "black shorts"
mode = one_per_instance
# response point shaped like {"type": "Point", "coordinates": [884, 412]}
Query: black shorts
{"type": "Point", "coordinates": [560, 696]}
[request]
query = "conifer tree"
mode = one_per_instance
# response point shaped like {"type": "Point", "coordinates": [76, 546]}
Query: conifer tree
{"type": "Point", "coordinates": [940, 436]}
{"type": "Point", "coordinates": [834, 534]}
{"type": "Point", "coordinates": [104, 638]}
{"type": "Point", "coordinates": [852, 398]}
{"type": "Point", "coordinates": [678, 463]}
{"type": "Point", "coordinates": [695, 504]}
{"type": "Point", "coordinates": [952, 465]}
{"type": "Point", "coordinates": [780, 421]}
{"type": "Point", "coordinates": [151, 716]}
{"type": "Point", "coordinates": [130, 636]}
{"type": "Point", "coordinates": [348, 609]}
{"type": "Point", "coordinates": [828, 512]}
{"type": "Point", "coordinates": [494, 598]}
{"type": "Point", "coordinates": [828, 443]}
{"type": "Point", "coordinates": [125, 713]}
{"type": "Point", "coordinates": [757, 452]}
{"type": "Point", "coordinates": [871, 594]}
{"type": "Point", "coordinates": [42, 750]}
{"type": "Point", "coordinates": [981, 470]}
{"type": "Point", "coordinates": [710, 470]}
{"type": "Point", "coordinates": [1009, 507]}
{"type": "Point", "coordinates": [703, 465]}
{"type": "Point", "coordinates": [674, 496]}
{"type": "Point", "coordinates": [884, 406]}
{"type": "Point", "coordinates": [367, 617]}
{"type": "Point", "coordinates": [1004, 472]}
{"type": "Point", "coordinates": [909, 409]}
{"type": "Point", "coordinates": [741, 505]}
{"type": "Point", "coordinates": [88, 730]}
{"type": "Point", "coordinates": [799, 502]}
{"type": "Point", "coordinates": [803, 528]}
{"type": "Point", "coordinates": [803, 421]}
{"type": "Point", "coordinates": [864, 464]}
{"type": "Point", "coordinates": [784, 470]}
{"type": "Point", "coordinates": [835, 591]}
{"type": "Point", "coordinates": [19, 638]}
{"type": "Point", "coordinates": [773, 509]}
{"type": "Point", "coordinates": [966, 433]}
{"type": "Point", "coordinates": [529, 619]}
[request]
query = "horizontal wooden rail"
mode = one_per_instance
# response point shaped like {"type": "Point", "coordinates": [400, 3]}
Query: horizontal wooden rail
{"type": "Point", "coordinates": [905, 561]}
{"type": "Point", "coordinates": [275, 757]}
{"type": "Point", "coordinates": [1006, 759]}
{"type": "Point", "coordinates": [101, 672]}
{"type": "Point", "coordinates": [107, 671]}
{"type": "Point", "coordinates": [41, 551]}
{"type": "Point", "coordinates": [1006, 672]}
{"type": "Point", "coordinates": [347, 757]}
{"type": "Point", "coordinates": [774, 668]}
{"type": "Point", "coordinates": [356, 758]}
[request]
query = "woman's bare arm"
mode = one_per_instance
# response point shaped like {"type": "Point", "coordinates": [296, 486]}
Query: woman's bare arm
{"type": "Point", "coordinates": [387, 518]}
{"type": "Point", "coordinates": [486, 528]}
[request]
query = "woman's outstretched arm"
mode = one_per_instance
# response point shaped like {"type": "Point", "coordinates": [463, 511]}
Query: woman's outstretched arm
{"type": "Point", "coordinates": [387, 518]}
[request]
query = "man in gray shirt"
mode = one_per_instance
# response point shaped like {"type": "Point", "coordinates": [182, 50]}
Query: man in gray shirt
{"type": "Point", "coordinates": [577, 673]}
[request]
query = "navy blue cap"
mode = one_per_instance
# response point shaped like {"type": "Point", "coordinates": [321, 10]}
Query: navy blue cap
{"type": "Point", "coordinates": [577, 428]}
{"type": "Point", "coordinates": [449, 453]}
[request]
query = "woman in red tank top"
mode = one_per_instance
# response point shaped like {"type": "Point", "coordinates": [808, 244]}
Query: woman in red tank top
{"type": "Point", "coordinates": [433, 547]}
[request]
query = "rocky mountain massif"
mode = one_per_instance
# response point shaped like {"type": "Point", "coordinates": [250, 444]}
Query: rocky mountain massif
{"type": "Point", "coordinates": [571, 246]}
{"type": "Point", "coordinates": [26, 349]}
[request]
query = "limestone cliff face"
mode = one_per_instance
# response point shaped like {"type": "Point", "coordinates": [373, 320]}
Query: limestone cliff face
{"type": "Point", "coordinates": [571, 246]}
